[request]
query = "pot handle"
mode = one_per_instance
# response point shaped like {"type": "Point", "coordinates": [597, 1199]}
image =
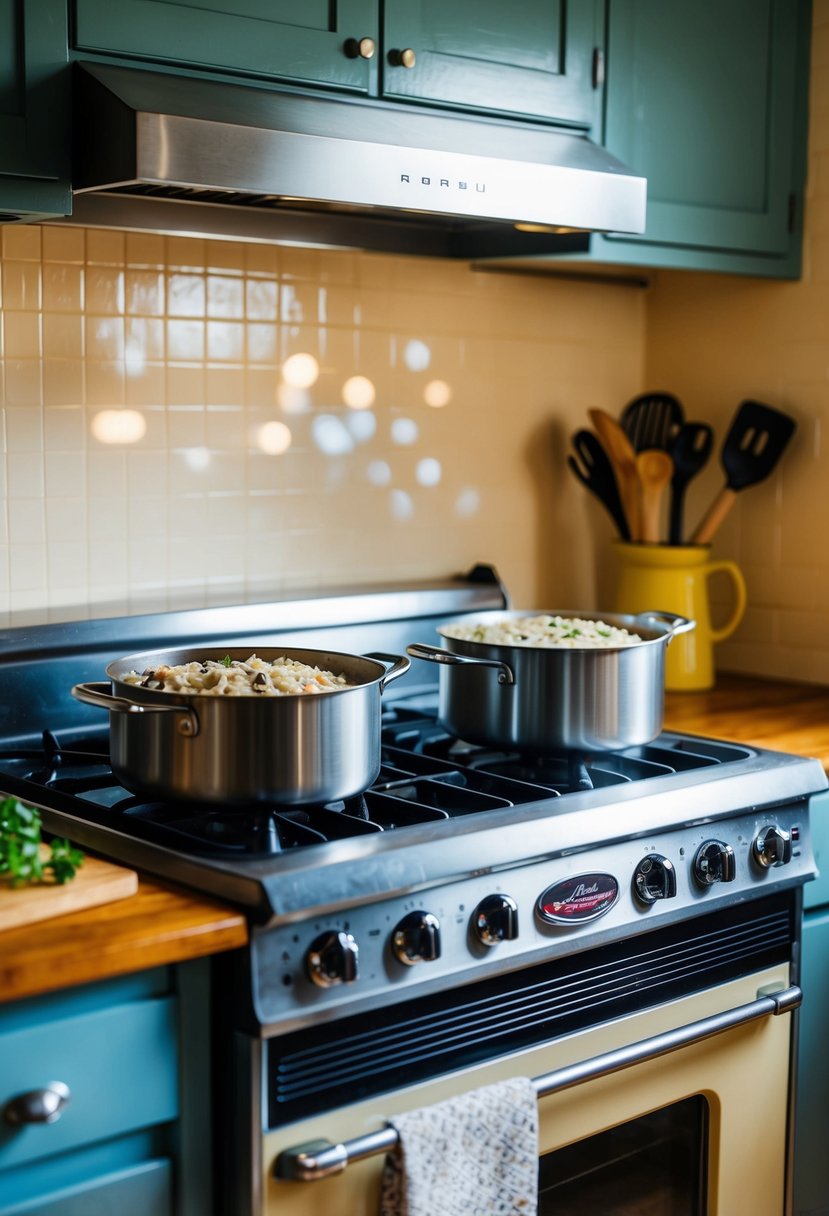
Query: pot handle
{"type": "Point", "coordinates": [99, 694]}
{"type": "Point", "coordinates": [434, 654]}
{"type": "Point", "coordinates": [399, 666]}
{"type": "Point", "coordinates": [668, 620]}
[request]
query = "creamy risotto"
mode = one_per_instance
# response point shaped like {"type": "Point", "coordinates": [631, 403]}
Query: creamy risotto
{"type": "Point", "coordinates": [239, 678]}
{"type": "Point", "coordinates": [546, 631]}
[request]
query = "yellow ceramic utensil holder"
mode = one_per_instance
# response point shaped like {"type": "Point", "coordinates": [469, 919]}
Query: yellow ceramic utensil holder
{"type": "Point", "coordinates": [674, 578]}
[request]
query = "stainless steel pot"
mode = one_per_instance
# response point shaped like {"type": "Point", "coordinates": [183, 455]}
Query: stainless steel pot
{"type": "Point", "coordinates": [549, 698]}
{"type": "Point", "coordinates": [291, 750]}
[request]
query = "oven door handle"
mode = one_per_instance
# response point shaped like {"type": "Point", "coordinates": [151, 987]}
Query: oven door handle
{"type": "Point", "coordinates": [319, 1159]}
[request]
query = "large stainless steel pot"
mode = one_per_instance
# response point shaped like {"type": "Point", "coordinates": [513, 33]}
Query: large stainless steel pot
{"type": "Point", "coordinates": [291, 750]}
{"type": "Point", "coordinates": [553, 698]}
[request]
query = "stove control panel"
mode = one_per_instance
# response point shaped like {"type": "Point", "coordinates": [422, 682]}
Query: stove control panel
{"type": "Point", "coordinates": [487, 921]}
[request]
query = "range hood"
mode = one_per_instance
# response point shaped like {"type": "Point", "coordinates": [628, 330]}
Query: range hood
{"type": "Point", "coordinates": [179, 155]}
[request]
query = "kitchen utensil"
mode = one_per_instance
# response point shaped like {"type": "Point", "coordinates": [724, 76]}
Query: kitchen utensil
{"type": "Point", "coordinates": [246, 749]}
{"type": "Point", "coordinates": [677, 577]}
{"type": "Point", "coordinates": [623, 459]}
{"type": "Point", "coordinates": [547, 698]}
{"type": "Point", "coordinates": [655, 469]}
{"type": "Point", "coordinates": [96, 882]}
{"type": "Point", "coordinates": [652, 420]}
{"type": "Point", "coordinates": [689, 451]}
{"type": "Point", "coordinates": [596, 472]}
{"type": "Point", "coordinates": [752, 447]}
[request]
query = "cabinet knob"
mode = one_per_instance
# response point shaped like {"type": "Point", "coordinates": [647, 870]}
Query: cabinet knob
{"type": "Point", "coordinates": [38, 1105]}
{"type": "Point", "coordinates": [359, 48]}
{"type": "Point", "coordinates": [403, 59]}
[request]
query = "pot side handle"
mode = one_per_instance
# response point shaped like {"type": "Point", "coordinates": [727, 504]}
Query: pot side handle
{"type": "Point", "coordinates": [434, 654]}
{"type": "Point", "coordinates": [399, 666]}
{"type": "Point", "coordinates": [100, 695]}
{"type": "Point", "coordinates": [668, 620]}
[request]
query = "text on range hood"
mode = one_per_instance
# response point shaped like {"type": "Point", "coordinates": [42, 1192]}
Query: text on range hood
{"type": "Point", "coordinates": [182, 155]}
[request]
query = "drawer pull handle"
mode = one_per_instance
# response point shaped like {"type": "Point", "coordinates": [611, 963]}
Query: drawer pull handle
{"type": "Point", "coordinates": [38, 1105]}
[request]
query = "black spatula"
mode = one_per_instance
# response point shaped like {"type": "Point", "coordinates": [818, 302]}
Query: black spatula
{"type": "Point", "coordinates": [752, 448]}
{"type": "Point", "coordinates": [597, 474]}
{"type": "Point", "coordinates": [652, 420]}
{"type": "Point", "coordinates": [689, 451]}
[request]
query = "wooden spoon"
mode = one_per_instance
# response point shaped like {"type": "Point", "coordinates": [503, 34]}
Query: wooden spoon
{"type": "Point", "coordinates": [655, 469]}
{"type": "Point", "coordinates": [623, 458]}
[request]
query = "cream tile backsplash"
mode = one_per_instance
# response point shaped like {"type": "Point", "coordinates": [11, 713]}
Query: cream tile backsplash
{"type": "Point", "coordinates": [193, 421]}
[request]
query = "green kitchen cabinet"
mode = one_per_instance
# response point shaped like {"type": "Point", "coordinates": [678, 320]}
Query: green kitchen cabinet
{"type": "Point", "coordinates": [708, 101]}
{"type": "Point", "coordinates": [537, 61]}
{"type": "Point", "coordinates": [34, 110]}
{"type": "Point", "coordinates": [540, 59]}
{"type": "Point", "coordinates": [316, 42]}
{"type": "Point", "coordinates": [125, 1063]}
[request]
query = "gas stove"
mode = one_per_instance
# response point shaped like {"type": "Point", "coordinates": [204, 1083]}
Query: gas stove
{"type": "Point", "coordinates": [474, 861]}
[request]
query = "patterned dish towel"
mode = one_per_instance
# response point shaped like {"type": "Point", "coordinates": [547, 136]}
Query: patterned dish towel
{"type": "Point", "coordinates": [476, 1155]}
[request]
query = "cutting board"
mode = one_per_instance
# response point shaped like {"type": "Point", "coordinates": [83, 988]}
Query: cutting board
{"type": "Point", "coordinates": [96, 882]}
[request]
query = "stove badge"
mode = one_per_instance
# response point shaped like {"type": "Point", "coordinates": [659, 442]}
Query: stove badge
{"type": "Point", "coordinates": [576, 899]}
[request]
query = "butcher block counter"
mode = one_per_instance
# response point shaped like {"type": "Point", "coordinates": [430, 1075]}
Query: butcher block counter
{"type": "Point", "coordinates": [157, 926]}
{"type": "Point", "coordinates": [161, 924]}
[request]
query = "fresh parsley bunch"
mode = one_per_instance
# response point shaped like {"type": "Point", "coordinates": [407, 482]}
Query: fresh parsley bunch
{"type": "Point", "coordinates": [20, 841]}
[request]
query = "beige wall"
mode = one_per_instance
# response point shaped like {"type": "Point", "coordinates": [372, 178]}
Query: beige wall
{"type": "Point", "coordinates": [187, 340]}
{"type": "Point", "coordinates": [716, 340]}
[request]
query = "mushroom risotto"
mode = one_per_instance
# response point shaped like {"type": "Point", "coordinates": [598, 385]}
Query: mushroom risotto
{"type": "Point", "coordinates": [238, 678]}
{"type": "Point", "coordinates": [544, 631]}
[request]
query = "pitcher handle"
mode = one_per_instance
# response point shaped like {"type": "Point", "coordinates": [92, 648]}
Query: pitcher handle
{"type": "Point", "coordinates": [732, 569]}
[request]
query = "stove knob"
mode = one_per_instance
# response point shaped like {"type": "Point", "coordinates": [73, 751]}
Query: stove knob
{"type": "Point", "coordinates": [495, 920]}
{"type": "Point", "coordinates": [714, 862]}
{"type": "Point", "coordinates": [773, 847]}
{"type": "Point", "coordinates": [416, 939]}
{"type": "Point", "coordinates": [332, 959]}
{"type": "Point", "coordinates": [654, 878]}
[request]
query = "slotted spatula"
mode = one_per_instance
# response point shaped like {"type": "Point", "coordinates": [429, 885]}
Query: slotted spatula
{"type": "Point", "coordinates": [689, 451]}
{"type": "Point", "coordinates": [651, 420]}
{"type": "Point", "coordinates": [596, 472]}
{"type": "Point", "coordinates": [752, 448]}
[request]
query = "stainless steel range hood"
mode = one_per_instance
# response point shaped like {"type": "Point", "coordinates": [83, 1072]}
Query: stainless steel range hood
{"type": "Point", "coordinates": [171, 154]}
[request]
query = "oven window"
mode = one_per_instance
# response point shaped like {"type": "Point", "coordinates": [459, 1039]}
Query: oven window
{"type": "Point", "coordinates": [651, 1166]}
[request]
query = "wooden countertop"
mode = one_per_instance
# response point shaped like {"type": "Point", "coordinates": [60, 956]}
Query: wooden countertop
{"type": "Point", "coordinates": [763, 713]}
{"type": "Point", "coordinates": [162, 924]}
{"type": "Point", "coordinates": [156, 926]}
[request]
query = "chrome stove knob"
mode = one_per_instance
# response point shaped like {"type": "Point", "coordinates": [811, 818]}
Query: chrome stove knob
{"type": "Point", "coordinates": [714, 862]}
{"type": "Point", "coordinates": [495, 920]}
{"type": "Point", "coordinates": [332, 959]}
{"type": "Point", "coordinates": [416, 939]}
{"type": "Point", "coordinates": [772, 847]}
{"type": "Point", "coordinates": [654, 878]}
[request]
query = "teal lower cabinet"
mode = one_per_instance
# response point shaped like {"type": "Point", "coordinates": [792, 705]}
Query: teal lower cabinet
{"type": "Point", "coordinates": [811, 1160]}
{"type": "Point", "coordinates": [106, 1062]}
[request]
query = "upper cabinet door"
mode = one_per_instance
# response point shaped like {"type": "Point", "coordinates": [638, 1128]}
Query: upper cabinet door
{"type": "Point", "coordinates": [314, 42]}
{"type": "Point", "coordinates": [533, 59]}
{"type": "Point", "coordinates": [702, 101]}
{"type": "Point", "coordinates": [34, 138]}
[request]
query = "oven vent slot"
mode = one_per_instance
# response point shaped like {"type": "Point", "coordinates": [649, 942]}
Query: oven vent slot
{"type": "Point", "coordinates": [355, 1058]}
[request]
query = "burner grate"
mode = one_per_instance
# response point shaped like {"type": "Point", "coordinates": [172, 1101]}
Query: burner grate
{"type": "Point", "coordinates": [426, 776]}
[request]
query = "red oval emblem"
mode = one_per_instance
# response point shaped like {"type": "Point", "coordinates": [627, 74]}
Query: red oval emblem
{"type": "Point", "coordinates": [577, 899]}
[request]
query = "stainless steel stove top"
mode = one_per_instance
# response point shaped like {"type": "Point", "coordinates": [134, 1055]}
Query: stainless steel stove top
{"type": "Point", "coordinates": [471, 861]}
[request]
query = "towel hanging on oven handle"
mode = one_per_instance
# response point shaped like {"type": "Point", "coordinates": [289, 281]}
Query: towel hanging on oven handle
{"type": "Point", "coordinates": [318, 1159]}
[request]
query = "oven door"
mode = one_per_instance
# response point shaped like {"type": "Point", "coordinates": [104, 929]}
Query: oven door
{"type": "Point", "coordinates": [698, 1130]}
